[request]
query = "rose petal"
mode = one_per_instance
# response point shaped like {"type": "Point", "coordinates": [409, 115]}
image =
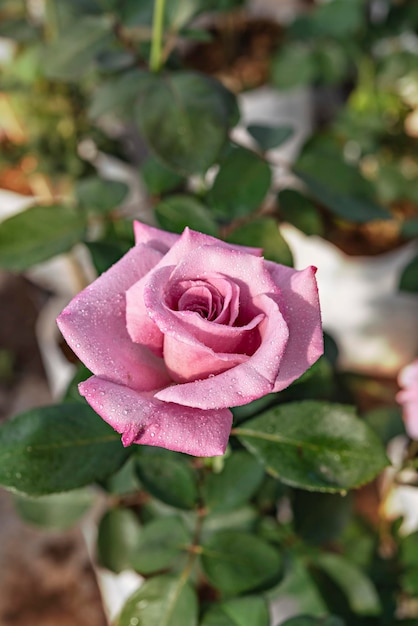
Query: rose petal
{"type": "Point", "coordinates": [243, 383]}
{"type": "Point", "coordinates": [300, 306]}
{"type": "Point", "coordinates": [141, 418]}
{"type": "Point", "coordinates": [154, 237]}
{"type": "Point", "coordinates": [94, 326]}
{"type": "Point", "coordinates": [408, 376]}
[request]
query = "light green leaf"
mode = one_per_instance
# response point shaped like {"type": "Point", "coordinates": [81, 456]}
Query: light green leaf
{"type": "Point", "coordinates": [248, 611]}
{"type": "Point", "coordinates": [185, 117]}
{"type": "Point", "coordinates": [57, 448]}
{"type": "Point", "coordinates": [118, 536]}
{"type": "Point", "coordinates": [161, 543]}
{"type": "Point", "coordinates": [167, 476]}
{"type": "Point", "coordinates": [58, 511]}
{"type": "Point", "coordinates": [178, 211]}
{"type": "Point", "coordinates": [38, 234]}
{"type": "Point", "coordinates": [293, 65]}
{"type": "Point", "coordinates": [235, 562]}
{"type": "Point", "coordinates": [315, 445]}
{"type": "Point", "coordinates": [241, 184]}
{"type": "Point", "coordinates": [359, 589]}
{"type": "Point", "coordinates": [161, 601]}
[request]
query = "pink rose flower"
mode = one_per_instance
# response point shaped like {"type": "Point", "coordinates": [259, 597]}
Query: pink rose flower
{"type": "Point", "coordinates": [408, 397]}
{"type": "Point", "coordinates": [184, 327]}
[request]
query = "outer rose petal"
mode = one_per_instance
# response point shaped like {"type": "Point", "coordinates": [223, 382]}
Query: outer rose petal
{"type": "Point", "coordinates": [143, 419]}
{"type": "Point", "coordinates": [299, 304]}
{"type": "Point", "coordinates": [408, 397]}
{"type": "Point", "coordinates": [243, 383]}
{"type": "Point", "coordinates": [154, 237]}
{"type": "Point", "coordinates": [93, 325]}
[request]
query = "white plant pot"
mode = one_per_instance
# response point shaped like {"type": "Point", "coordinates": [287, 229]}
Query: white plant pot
{"type": "Point", "coordinates": [374, 324]}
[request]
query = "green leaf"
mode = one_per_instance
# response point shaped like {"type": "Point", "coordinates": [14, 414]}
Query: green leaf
{"type": "Point", "coordinates": [72, 394]}
{"type": "Point", "coordinates": [158, 178]}
{"type": "Point", "coordinates": [161, 601]}
{"type": "Point", "coordinates": [298, 210]}
{"type": "Point", "coordinates": [358, 588]}
{"type": "Point", "coordinates": [185, 118]}
{"type": "Point", "coordinates": [58, 511]}
{"type": "Point", "coordinates": [118, 535]}
{"type": "Point", "coordinates": [161, 543]}
{"type": "Point", "coordinates": [38, 234]}
{"type": "Point", "coordinates": [73, 53]}
{"type": "Point", "coordinates": [235, 562]}
{"type": "Point", "coordinates": [178, 211]}
{"type": "Point", "coordinates": [306, 620]}
{"type": "Point", "coordinates": [263, 233]}
{"type": "Point", "coordinates": [244, 518]}
{"type": "Point", "coordinates": [105, 253]}
{"type": "Point", "coordinates": [338, 18]}
{"type": "Point", "coordinates": [409, 277]}
{"type": "Point", "coordinates": [315, 445]}
{"type": "Point", "coordinates": [409, 228]}
{"type": "Point", "coordinates": [293, 65]}
{"type": "Point", "coordinates": [99, 194]}
{"type": "Point", "coordinates": [117, 95]}
{"type": "Point", "coordinates": [320, 517]}
{"type": "Point", "coordinates": [167, 476]}
{"type": "Point", "coordinates": [239, 480]}
{"type": "Point", "coordinates": [248, 611]}
{"type": "Point", "coordinates": [269, 137]}
{"type": "Point", "coordinates": [57, 448]}
{"type": "Point", "coordinates": [230, 198]}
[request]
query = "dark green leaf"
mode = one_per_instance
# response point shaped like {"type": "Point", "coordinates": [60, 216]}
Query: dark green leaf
{"type": "Point", "coordinates": [241, 184]}
{"type": "Point", "coordinates": [161, 601]}
{"type": "Point", "coordinates": [386, 421]}
{"type": "Point", "coordinates": [167, 476]}
{"type": "Point", "coordinates": [58, 511]}
{"type": "Point", "coordinates": [118, 536]}
{"type": "Point", "coordinates": [320, 517]}
{"type": "Point", "coordinates": [315, 445]}
{"type": "Point", "coordinates": [306, 620]}
{"type": "Point", "coordinates": [158, 178]}
{"type": "Point", "coordinates": [185, 119]}
{"type": "Point", "coordinates": [99, 194]}
{"type": "Point", "coordinates": [298, 210]}
{"type": "Point", "coordinates": [263, 233]}
{"type": "Point", "coordinates": [248, 611]}
{"type": "Point", "coordinates": [238, 481]}
{"type": "Point", "coordinates": [359, 589]}
{"type": "Point", "coordinates": [293, 65]}
{"type": "Point", "coordinates": [72, 394]}
{"type": "Point", "coordinates": [57, 448]}
{"type": "Point", "coordinates": [409, 277]}
{"type": "Point", "coordinates": [73, 53]}
{"type": "Point", "coordinates": [179, 211]}
{"type": "Point", "coordinates": [105, 253]}
{"type": "Point", "coordinates": [38, 234]}
{"type": "Point", "coordinates": [409, 228]}
{"type": "Point", "coordinates": [161, 544]}
{"type": "Point", "coordinates": [235, 562]}
{"type": "Point", "coordinates": [117, 95]}
{"type": "Point", "coordinates": [269, 137]}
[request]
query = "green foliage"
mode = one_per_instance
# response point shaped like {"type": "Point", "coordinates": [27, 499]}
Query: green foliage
{"type": "Point", "coordinates": [269, 137]}
{"type": "Point", "coordinates": [98, 194]}
{"type": "Point", "coordinates": [164, 600]}
{"type": "Point", "coordinates": [179, 211]}
{"type": "Point", "coordinates": [305, 620]}
{"type": "Point", "coordinates": [118, 535]}
{"type": "Point", "coordinates": [161, 544]}
{"type": "Point", "coordinates": [57, 448]}
{"type": "Point", "coordinates": [167, 476]}
{"type": "Point", "coordinates": [158, 178]}
{"type": "Point", "coordinates": [247, 611]}
{"type": "Point", "coordinates": [300, 211]}
{"type": "Point", "coordinates": [241, 184]}
{"type": "Point", "coordinates": [57, 511]}
{"type": "Point", "coordinates": [409, 277]}
{"type": "Point", "coordinates": [236, 562]}
{"type": "Point", "coordinates": [337, 452]}
{"type": "Point", "coordinates": [263, 232]}
{"type": "Point", "coordinates": [184, 118]}
{"type": "Point", "coordinates": [38, 234]}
